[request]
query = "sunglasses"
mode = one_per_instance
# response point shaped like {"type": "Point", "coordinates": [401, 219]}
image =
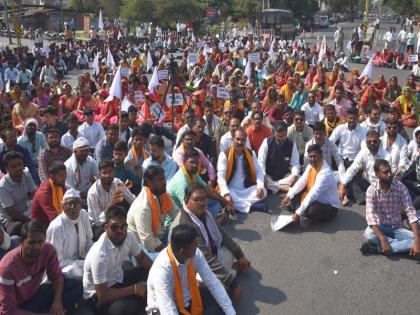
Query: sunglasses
{"type": "Point", "coordinates": [115, 227]}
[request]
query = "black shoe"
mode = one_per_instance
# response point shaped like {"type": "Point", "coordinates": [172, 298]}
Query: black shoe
{"type": "Point", "coordinates": [304, 222]}
{"type": "Point", "coordinates": [362, 203]}
{"type": "Point", "coordinates": [368, 249]}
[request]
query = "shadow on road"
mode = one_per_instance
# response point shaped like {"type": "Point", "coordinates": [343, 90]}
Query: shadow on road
{"type": "Point", "coordinates": [254, 291]}
{"type": "Point", "coordinates": [242, 234]}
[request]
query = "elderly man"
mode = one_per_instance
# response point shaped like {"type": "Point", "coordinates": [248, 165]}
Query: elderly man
{"type": "Point", "coordinates": [316, 191]}
{"type": "Point", "coordinates": [71, 235]}
{"type": "Point", "coordinates": [227, 139]}
{"type": "Point", "coordinates": [33, 140]}
{"type": "Point", "coordinates": [240, 177]}
{"type": "Point", "coordinates": [150, 212]}
{"type": "Point", "coordinates": [386, 200]}
{"type": "Point", "coordinates": [82, 169]}
{"type": "Point", "coordinates": [172, 287]}
{"type": "Point", "coordinates": [217, 246]}
{"type": "Point", "coordinates": [279, 159]}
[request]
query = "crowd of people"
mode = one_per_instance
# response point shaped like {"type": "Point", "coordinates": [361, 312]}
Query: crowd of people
{"type": "Point", "coordinates": [117, 204]}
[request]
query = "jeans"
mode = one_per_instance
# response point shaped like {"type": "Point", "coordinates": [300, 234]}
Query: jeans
{"type": "Point", "coordinates": [399, 239]}
{"type": "Point", "coordinates": [42, 300]}
{"type": "Point", "coordinates": [213, 206]}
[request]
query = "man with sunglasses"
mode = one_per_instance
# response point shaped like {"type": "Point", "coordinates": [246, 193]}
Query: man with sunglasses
{"type": "Point", "coordinates": [364, 160]}
{"type": "Point", "coordinates": [71, 235]}
{"type": "Point", "coordinates": [108, 288]}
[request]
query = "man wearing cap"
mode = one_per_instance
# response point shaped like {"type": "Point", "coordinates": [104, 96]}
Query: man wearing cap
{"type": "Point", "coordinates": [82, 169]}
{"type": "Point", "coordinates": [91, 130]}
{"type": "Point", "coordinates": [71, 235]}
{"type": "Point", "coordinates": [33, 140]}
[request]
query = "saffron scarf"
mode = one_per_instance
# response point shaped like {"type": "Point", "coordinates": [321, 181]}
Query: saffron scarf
{"type": "Point", "coordinates": [136, 156]}
{"type": "Point", "coordinates": [165, 206]}
{"type": "Point", "coordinates": [57, 197]}
{"type": "Point", "coordinates": [190, 178]}
{"type": "Point", "coordinates": [313, 172]}
{"type": "Point", "coordinates": [231, 162]}
{"type": "Point", "coordinates": [196, 303]}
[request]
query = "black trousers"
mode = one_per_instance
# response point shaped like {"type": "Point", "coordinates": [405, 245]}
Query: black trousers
{"type": "Point", "coordinates": [319, 211]}
{"type": "Point", "coordinates": [131, 305]}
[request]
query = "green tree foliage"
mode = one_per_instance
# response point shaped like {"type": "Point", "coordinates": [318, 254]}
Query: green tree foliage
{"type": "Point", "coordinates": [137, 10]}
{"type": "Point", "coordinates": [403, 6]}
{"type": "Point", "coordinates": [111, 8]}
{"type": "Point", "coordinates": [299, 7]}
{"type": "Point", "coordinates": [243, 9]}
{"type": "Point", "coordinates": [84, 5]}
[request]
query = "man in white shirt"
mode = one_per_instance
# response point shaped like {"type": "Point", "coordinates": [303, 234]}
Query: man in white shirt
{"type": "Point", "coordinates": [82, 61]}
{"type": "Point", "coordinates": [316, 189]}
{"type": "Point", "coordinates": [170, 289]}
{"type": "Point", "coordinates": [402, 39]}
{"type": "Point", "coordinates": [24, 77]}
{"type": "Point", "coordinates": [107, 191]}
{"type": "Point", "coordinates": [227, 139]}
{"type": "Point", "coordinates": [91, 130]}
{"type": "Point", "coordinates": [48, 73]}
{"type": "Point", "coordinates": [82, 169]}
{"type": "Point", "coordinates": [364, 160]}
{"type": "Point", "coordinates": [279, 159]}
{"type": "Point", "coordinates": [10, 74]}
{"type": "Point", "coordinates": [313, 111]}
{"type": "Point", "coordinates": [374, 121]}
{"type": "Point", "coordinates": [71, 235]}
{"type": "Point", "coordinates": [108, 288]}
{"type": "Point", "coordinates": [389, 40]}
{"type": "Point", "coordinates": [72, 134]}
{"type": "Point", "coordinates": [396, 146]}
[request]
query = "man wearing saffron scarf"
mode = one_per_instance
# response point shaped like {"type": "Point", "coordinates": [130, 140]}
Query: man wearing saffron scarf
{"type": "Point", "coordinates": [222, 253]}
{"type": "Point", "coordinates": [137, 153]}
{"type": "Point", "coordinates": [172, 287]}
{"type": "Point", "coordinates": [316, 189]}
{"type": "Point", "coordinates": [47, 201]}
{"type": "Point", "coordinates": [151, 212]}
{"type": "Point", "coordinates": [240, 177]}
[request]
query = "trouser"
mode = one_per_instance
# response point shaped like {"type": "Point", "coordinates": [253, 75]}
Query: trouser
{"type": "Point", "coordinates": [275, 185]}
{"type": "Point", "coordinates": [130, 305]}
{"type": "Point", "coordinates": [402, 47]}
{"type": "Point", "coordinates": [356, 188]}
{"type": "Point", "coordinates": [399, 239]}
{"type": "Point", "coordinates": [410, 47]}
{"type": "Point", "coordinates": [319, 211]}
{"type": "Point", "coordinates": [43, 299]}
{"type": "Point", "coordinates": [213, 206]}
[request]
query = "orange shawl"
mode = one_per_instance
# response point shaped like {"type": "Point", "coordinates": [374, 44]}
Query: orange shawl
{"type": "Point", "coordinates": [231, 161]}
{"type": "Point", "coordinates": [313, 172]}
{"type": "Point", "coordinates": [57, 197]}
{"type": "Point", "coordinates": [196, 303]}
{"type": "Point", "coordinates": [135, 155]}
{"type": "Point", "coordinates": [191, 179]}
{"type": "Point", "coordinates": [165, 206]}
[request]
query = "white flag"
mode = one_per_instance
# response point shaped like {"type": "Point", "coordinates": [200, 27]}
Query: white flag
{"type": "Point", "coordinates": [349, 47]}
{"type": "Point", "coordinates": [96, 65]}
{"type": "Point", "coordinates": [318, 46]}
{"type": "Point", "coordinates": [110, 60]}
{"type": "Point", "coordinates": [149, 61]}
{"type": "Point", "coordinates": [322, 50]}
{"type": "Point", "coordinates": [271, 52]}
{"type": "Point", "coordinates": [248, 70]}
{"type": "Point", "coordinates": [154, 81]}
{"type": "Point", "coordinates": [368, 70]}
{"type": "Point", "coordinates": [101, 21]}
{"type": "Point", "coordinates": [120, 34]}
{"type": "Point", "coordinates": [115, 90]}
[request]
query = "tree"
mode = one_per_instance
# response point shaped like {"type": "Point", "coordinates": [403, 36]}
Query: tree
{"type": "Point", "coordinates": [298, 7]}
{"type": "Point", "coordinates": [111, 8]}
{"type": "Point", "coordinates": [83, 5]}
{"type": "Point", "coordinates": [246, 9]}
{"type": "Point", "coordinates": [137, 10]}
{"type": "Point", "coordinates": [403, 6]}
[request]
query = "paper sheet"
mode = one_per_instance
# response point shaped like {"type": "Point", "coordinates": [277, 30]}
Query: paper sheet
{"type": "Point", "coordinates": [280, 221]}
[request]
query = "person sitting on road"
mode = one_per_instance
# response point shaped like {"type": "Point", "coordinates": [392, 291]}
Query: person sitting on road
{"type": "Point", "coordinates": [387, 200]}
{"type": "Point", "coordinates": [315, 191]}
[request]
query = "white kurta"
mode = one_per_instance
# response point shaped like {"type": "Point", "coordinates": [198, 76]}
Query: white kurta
{"type": "Point", "coordinates": [243, 198]}
{"type": "Point", "coordinates": [71, 246]}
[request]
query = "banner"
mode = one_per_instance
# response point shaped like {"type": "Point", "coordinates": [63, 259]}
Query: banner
{"type": "Point", "coordinates": [254, 57]}
{"type": "Point", "coordinates": [179, 99]}
{"type": "Point", "coordinates": [163, 75]}
{"type": "Point", "coordinates": [222, 93]}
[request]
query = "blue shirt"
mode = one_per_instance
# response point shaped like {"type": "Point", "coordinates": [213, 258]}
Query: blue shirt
{"type": "Point", "coordinates": [103, 150]}
{"type": "Point", "coordinates": [169, 166]}
{"type": "Point", "coordinates": [40, 143]}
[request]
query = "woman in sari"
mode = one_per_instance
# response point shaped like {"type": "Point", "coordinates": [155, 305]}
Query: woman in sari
{"type": "Point", "coordinates": [85, 102]}
{"type": "Point", "coordinates": [408, 108]}
{"type": "Point", "coordinates": [380, 85]}
{"type": "Point", "coordinates": [68, 101]}
{"type": "Point", "coordinates": [24, 110]}
{"type": "Point", "coordinates": [392, 92]}
{"type": "Point", "coordinates": [287, 90]}
{"type": "Point", "coordinates": [309, 80]}
{"type": "Point", "coordinates": [269, 100]}
{"type": "Point", "coordinates": [369, 97]}
{"type": "Point", "coordinates": [299, 97]}
{"type": "Point", "coordinates": [108, 111]}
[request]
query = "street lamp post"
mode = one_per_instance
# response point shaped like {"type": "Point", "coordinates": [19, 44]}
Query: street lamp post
{"type": "Point", "coordinates": [7, 22]}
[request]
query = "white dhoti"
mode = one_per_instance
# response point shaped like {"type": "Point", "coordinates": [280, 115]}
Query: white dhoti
{"type": "Point", "coordinates": [275, 185]}
{"type": "Point", "coordinates": [244, 198]}
{"type": "Point", "coordinates": [226, 259]}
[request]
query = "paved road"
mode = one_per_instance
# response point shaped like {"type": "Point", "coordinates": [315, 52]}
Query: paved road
{"type": "Point", "coordinates": [293, 271]}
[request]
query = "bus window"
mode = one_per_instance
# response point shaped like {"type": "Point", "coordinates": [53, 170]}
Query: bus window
{"type": "Point", "coordinates": [271, 19]}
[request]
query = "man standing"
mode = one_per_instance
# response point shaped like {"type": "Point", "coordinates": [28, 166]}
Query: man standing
{"type": "Point", "coordinates": [107, 287]}
{"type": "Point", "coordinates": [316, 189]}
{"type": "Point", "coordinates": [386, 200]}
{"type": "Point", "coordinates": [82, 169]}
{"type": "Point", "coordinates": [217, 246]}
{"type": "Point", "coordinates": [240, 177]}
{"type": "Point", "coordinates": [71, 235]}
{"type": "Point", "coordinates": [339, 41]}
{"type": "Point", "coordinates": [149, 213]}
{"type": "Point", "coordinates": [172, 287]}
{"type": "Point", "coordinates": [159, 157]}
{"type": "Point", "coordinates": [22, 271]}
{"type": "Point", "coordinates": [402, 40]}
{"type": "Point", "coordinates": [257, 132]}
{"type": "Point", "coordinates": [279, 159]}
{"type": "Point", "coordinates": [54, 152]}
{"type": "Point", "coordinates": [103, 149]}
{"type": "Point", "coordinates": [16, 189]}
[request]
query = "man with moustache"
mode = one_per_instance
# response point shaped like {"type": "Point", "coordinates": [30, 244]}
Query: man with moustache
{"type": "Point", "coordinates": [159, 157]}
{"type": "Point", "coordinates": [364, 160]}
{"type": "Point", "coordinates": [108, 288]}
{"type": "Point", "coordinates": [22, 271]}
{"type": "Point", "coordinates": [71, 235]}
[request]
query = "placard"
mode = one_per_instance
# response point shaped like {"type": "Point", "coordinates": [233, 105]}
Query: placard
{"type": "Point", "coordinates": [222, 93]}
{"type": "Point", "coordinates": [222, 47]}
{"type": "Point", "coordinates": [163, 75]}
{"type": "Point", "coordinates": [369, 54]}
{"type": "Point", "coordinates": [179, 99]}
{"type": "Point", "coordinates": [138, 96]}
{"type": "Point", "coordinates": [254, 57]}
{"type": "Point", "coordinates": [200, 45]}
{"type": "Point", "coordinates": [125, 72]}
{"type": "Point", "coordinates": [208, 50]}
{"type": "Point", "coordinates": [157, 112]}
{"type": "Point", "coordinates": [193, 59]}
{"type": "Point", "coordinates": [413, 58]}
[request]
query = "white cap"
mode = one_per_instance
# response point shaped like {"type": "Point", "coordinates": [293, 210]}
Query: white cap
{"type": "Point", "coordinates": [71, 193]}
{"type": "Point", "coordinates": [80, 142]}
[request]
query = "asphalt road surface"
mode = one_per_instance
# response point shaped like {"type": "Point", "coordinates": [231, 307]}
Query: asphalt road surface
{"type": "Point", "coordinates": [293, 271]}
